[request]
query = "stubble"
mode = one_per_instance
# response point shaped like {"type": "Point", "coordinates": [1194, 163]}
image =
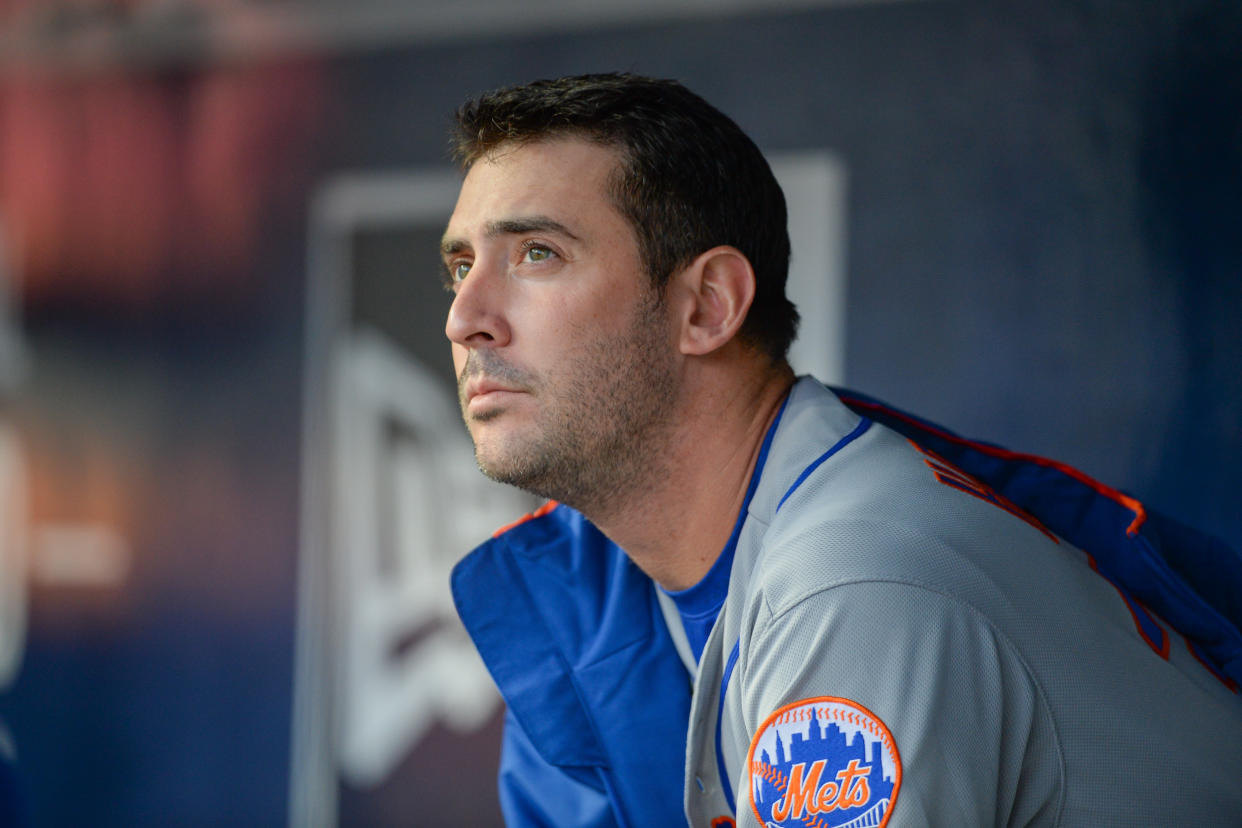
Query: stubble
{"type": "Point", "coordinates": [604, 414]}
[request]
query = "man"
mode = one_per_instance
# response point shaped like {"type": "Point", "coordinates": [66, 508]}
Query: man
{"type": "Point", "coordinates": [747, 604]}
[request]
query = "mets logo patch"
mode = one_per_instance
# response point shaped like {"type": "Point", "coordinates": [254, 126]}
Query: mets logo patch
{"type": "Point", "coordinates": [823, 763]}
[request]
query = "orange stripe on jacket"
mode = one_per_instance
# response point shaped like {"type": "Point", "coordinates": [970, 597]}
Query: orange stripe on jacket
{"type": "Point", "coordinates": [540, 512]}
{"type": "Point", "coordinates": [1140, 512]}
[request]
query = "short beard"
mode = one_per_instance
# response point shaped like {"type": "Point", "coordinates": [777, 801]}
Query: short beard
{"type": "Point", "coordinates": [602, 437]}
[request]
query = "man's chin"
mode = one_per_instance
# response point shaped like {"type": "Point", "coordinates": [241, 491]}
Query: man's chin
{"type": "Point", "coordinates": [498, 464]}
{"type": "Point", "coordinates": [514, 469]}
{"type": "Point", "coordinates": [509, 474]}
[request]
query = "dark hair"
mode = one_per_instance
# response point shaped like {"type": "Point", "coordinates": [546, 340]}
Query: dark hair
{"type": "Point", "coordinates": [689, 178]}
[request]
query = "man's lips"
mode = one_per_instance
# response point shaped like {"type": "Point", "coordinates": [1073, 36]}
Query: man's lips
{"type": "Point", "coordinates": [480, 392]}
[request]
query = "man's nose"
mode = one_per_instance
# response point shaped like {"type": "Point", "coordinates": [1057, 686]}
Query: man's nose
{"type": "Point", "coordinates": [476, 318]}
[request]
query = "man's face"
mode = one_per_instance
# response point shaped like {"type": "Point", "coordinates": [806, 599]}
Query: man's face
{"type": "Point", "coordinates": [564, 354]}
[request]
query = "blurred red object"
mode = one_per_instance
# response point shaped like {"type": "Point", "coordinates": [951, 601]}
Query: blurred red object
{"type": "Point", "coordinates": [128, 183]}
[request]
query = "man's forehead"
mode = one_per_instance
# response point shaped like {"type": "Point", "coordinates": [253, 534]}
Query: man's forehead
{"type": "Point", "coordinates": [568, 160]}
{"type": "Point", "coordinates": [546, 185]}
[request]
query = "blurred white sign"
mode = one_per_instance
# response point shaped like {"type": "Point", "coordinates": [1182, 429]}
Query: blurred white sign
{"type": "Point", "coordinates": [409, 502]}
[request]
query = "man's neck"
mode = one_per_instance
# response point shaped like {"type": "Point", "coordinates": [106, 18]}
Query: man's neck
{"type": "Point", "coordinates": [677, 526]}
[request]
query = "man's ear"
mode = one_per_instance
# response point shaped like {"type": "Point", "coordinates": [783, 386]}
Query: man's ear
{"type": "Point", "coordinates": [714, 293]}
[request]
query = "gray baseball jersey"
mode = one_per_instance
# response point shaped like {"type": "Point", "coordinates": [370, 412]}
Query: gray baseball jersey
{"type": "Point", "coordinates": [900, 647]}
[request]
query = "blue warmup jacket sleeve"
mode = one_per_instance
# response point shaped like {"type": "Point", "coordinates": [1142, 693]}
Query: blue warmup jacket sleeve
{"type": "Point", "coordinates": [535, 794]}
{"type": "Point", "coordinates": [1192, 580]}
{"type": "Point", "coordinates": [598, 699]}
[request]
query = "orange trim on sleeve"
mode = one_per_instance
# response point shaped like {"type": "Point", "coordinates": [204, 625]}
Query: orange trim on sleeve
{"type": "Point", "coordinates": [1140, 512]}
{"type": "Point", "coordinates": [951, 475]}
{"type": "Point", "coordinates": [1221, 677]}
{"type": "Point", "coordinates": [538, 513]}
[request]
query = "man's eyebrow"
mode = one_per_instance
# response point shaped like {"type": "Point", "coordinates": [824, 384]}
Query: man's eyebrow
{"type": "Point", "coordinates": [451, 247]}
{"type": "Point", "coordinates": [509, 227]}
{"type": "Point", "coordinates": [528, 224]}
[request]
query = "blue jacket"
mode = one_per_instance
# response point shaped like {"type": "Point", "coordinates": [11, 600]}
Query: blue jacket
{"type": "Point", "coordinates": [598, 698]}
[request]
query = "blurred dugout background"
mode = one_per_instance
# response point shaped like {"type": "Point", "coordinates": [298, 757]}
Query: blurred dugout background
{"type": "Point", "coordinates": [232, 480]}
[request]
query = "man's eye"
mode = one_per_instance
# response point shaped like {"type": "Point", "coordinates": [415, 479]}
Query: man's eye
{"type": "Point", "coordinates": [535, 253]}
{"type": "Point", "coordinates": [459, 270]}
